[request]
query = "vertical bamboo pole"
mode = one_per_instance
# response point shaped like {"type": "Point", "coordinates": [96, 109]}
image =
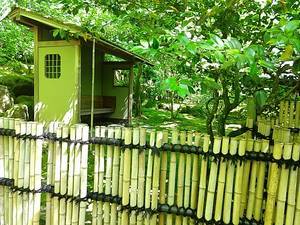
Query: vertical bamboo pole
{"type": "Point", "coordinates": [20, 182]}
{"type": "Point", "coordinates": [180, 177]}
{"type": "Point", "coordinates": [100, 132]}
{"type": "Point", "coordinates": [120, 191]}
{"type": "Point", "coordinates": [281, 113]}
{"type": "Point", "coordinates": [57, 157]}
{"type": "Point", "coordinates": [221, 180]}
{"type": "Point", "coordinates": [50, 180]}
{"type": "Point", "coordinates": [26, 174]}
{"type": "Point", "coordinates": [260, 183]}
{"type": "Point", "coordinates": [291, 115]}
{"type": "Point", "coordinates": [212, 181]}
{"type": "Point", "coordinates": [38, 173]}
{"type": "Point", "coordinates": [297, 115]}
{"type": "Point", "coordinates": [195, 176]}
{"type": "Point", "coordinates": [63, 176]}
{"type": "Point", "coordinates": [149, 177]}
{"type": "Point", "coordinates": [203, 179]}
{"type": "Point", "coordinates": [134, 176]}
{"type": "Point", "coordinates": [292, 188]}
{"type": "Point", "coordinates": [6, 171]}
{"type": "Point", "coordinates": [283, 186]}
{"type": "Point", "coordinates": [252, 187]}
{"type": "Point", "coordinates": [141, 178]}
{"type": "Point", "coordinates": [155, 181]}
{"type": "Point", "coordinates": [96, 177]}
{"type": "Point", "coordinates": [229, 183]}
{"type": "Point", "coordinates": [286, 114]}
{"type": "Point", "coordinates": [163, 177]}
{"type": "Point", "coordinates": [297, 207]}
{"type": "Point", "coordinates": [115, 176]}
{"type": "Point", "coordinates": [71, 174]}
{"type": "Point", "coordinates": [108, 174]}
{"type": "Point", "coordinates": [2, 203]}
{"type": "Point", "coordinates": [238, 184]}
{"type": "Point", "coordinates": [272, 189]}
{"type": "Point", "coordinates": [32, 173]}
{"type": "Point", "coordinates": [172, 177]}
{"type": "Point", "coordinates": [16, 168]}
{"type": "Point", "coordinates": [187, 178]}
{"type": "Point", "coordinates": [126, 175]}
{"type": "Point", "coordinates": [76, 181]}
{"type": "Point", "coordinates": [11, 126]}
{"type": "Point", "coordinates": [83, 173]}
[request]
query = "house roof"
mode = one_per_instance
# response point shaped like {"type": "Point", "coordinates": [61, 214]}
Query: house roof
{"type": "Point", "coordinates": [30, 18]}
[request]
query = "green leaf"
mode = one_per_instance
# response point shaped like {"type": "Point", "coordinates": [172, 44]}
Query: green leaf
{"type": "Point", "coordinates": [211, 83]}
{"type": "Point", "coordinates": [266, 64]}
{"type": "Point", "coordinates": [183, 90]}
{"type": "Point", "coordinates": [291, 26]}
{"type": "Point", "coordinates": [155, 43]}
{"type": "Point", "coordinates": [55, 33]}
{"type": "Point", "coordinates": [217, 40]}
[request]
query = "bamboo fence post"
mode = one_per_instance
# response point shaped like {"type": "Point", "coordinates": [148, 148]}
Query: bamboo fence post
{"type": "Point", "coordinates": [283, 186]}
{"type": "Point", "coordinates": [149, 177]}
{"type": "Point", "coordinates": [83, 173]}
{"type": "Point", "coordinates": [187, 177]}
{"type": "Point", "coordinates": [11, 126]}
{"type": "Point", "coordinates": [238, 184]}
{"type": "Point", "coordinates": [101, 133]}
{"type": "Point", "coordinates": [32, 173]}
{"type": "Point", "coordinates": [180, 177]}
{"type": "Point", "coordinates": [292, 188]}
{"type": "Point", "coordinates": [26, 174]}
{"type": "Point", "coordinates": [212, 180]}
{"type": "Point", "coordinates": [16, 168]}
{"type": "Point", "coordinates": [195, 177]}
{"type": "Point", "coordinates": [297, 207]}
{"type": "Point", "coordinates": [141, 176]}
{"type": "Point", "coordinates": [96, 177]}
{"type": "Point", "coordinates": [163, 177]}
{"type": "Point", "coordinates": [221, 180]}
{"type": "Point", "coordinates": [57, 169]}
{"type": "Point", "coordinates": [155, 181]}
{"type": "Point", "coordinates": [2, 175]}
{"type": "Point", "coordinates": [291, 116]}
{"type": "Point", "coordinates": [120, 191]}
{"type": "Point", "coordinates": [297, 115]}
{"type": "Point", "coordinates": [172, 177]}
{"type": "Point", "coordinates": [71, 174]}
{"type": "Point", "coordinates": [6, 171]}
{"type": "Point", "coordinates": [108, 176]}
{"type": "Point", "coordinates": [115, 176]}
{"type": "Point", "coordinates": [260, 183]}
{"type": "Point", "coordinates": [49, 209]}
{"type": "Point", "coordinates": [229, 183]}
{"type": "Point", "coordinates": [126, 175]}
{"type": "Point", "coordinates": [281, 113]}
{"type": "Point", "coordinates": [38, 173]}
{"type": "Point", "coordinates": [272, 188]}
{"type": "Point", "coordinates": [134, 176]}
{"type": "Point", "coordinates": [203, 179]}
{"type": "Point", "coordinates": [63, 175]}
{"type": "Point", "coordinates": [252, 185]}
{"type": "Point", "coordinates": [77, 173]}
{"type": "Point", "coordinates": [286, 114]}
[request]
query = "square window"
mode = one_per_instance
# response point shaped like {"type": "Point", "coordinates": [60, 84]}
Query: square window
{"type": "Point", "coordinates": [52, 66]}
{"type": "Point", "coordinates": [121, 77]}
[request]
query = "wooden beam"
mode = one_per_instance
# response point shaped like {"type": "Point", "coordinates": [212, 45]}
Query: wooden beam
{"type": "Point", "coordinates": [130, 96]}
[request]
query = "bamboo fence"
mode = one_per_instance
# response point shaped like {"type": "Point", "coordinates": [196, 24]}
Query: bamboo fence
{"type": "Point", "coordinates": [143, 176]}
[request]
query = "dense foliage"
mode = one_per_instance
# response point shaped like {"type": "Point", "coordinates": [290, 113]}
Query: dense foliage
{"type": "Point", "coordinates": [213, 53]}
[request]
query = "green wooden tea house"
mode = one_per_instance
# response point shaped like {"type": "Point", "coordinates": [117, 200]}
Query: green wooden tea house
{"type": "Point", "coordinates": [74, 82]}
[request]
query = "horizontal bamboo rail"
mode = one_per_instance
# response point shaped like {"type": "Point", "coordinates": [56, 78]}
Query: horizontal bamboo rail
{"type": "Point", "coordinates": [146, 177]}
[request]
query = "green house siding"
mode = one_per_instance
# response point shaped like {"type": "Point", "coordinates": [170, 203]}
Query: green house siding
{"type": "Point", "coordinates": [58, 97]}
